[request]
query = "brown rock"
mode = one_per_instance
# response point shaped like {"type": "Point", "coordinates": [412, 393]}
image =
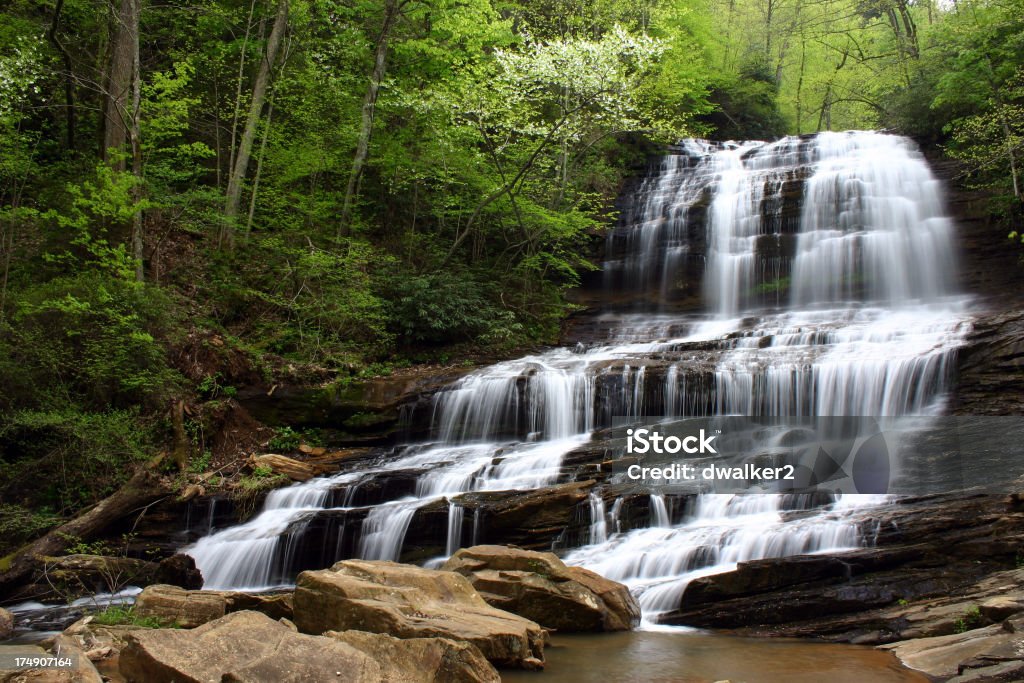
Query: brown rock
{"type": "Point", "coordinates": [83, 671]}
{"type": "Point", "coordinates": [946, 656]}
{"type": "Point", "coordinates": [93, 573]}
{"type": "Point", "coordinates": [422, 660]}
{"type": "Point", "coordinates": [191, 491]}
{"type": "Point", "coordinates": [179, 570]}
{"type": "Point", "coordinates": [184, 608]}
{"type": "Point", "coordinates": [411, 602]}
{"type": "Point", "coordinates": [528, 519]}
{"type": "Point", "coordinates": [192, 608]}
{"type": "Point", "coordinates": [1001, 607]}
{"type": "Point", "coordinates": [6, 624]}
{"type": "Point", "coordinates": [540, 587]}
{"type": "Point", "coordinates": [244, 646]}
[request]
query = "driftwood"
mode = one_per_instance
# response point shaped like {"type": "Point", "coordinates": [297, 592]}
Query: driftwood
{"type": "Point", "coordinates": [144, 488]}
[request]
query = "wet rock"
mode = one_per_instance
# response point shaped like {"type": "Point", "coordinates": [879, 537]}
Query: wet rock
{"type": "Point", "coordinates": [528, 519]}
{"type": "Point", "coordinates": [938, 558]}
{"type": "Point", "coordinates": [540, 587]}
{"type": "Point", "coordinates": [192, 608]}
{"type": "Point", "coordinates": [244, 646]}
{"type": "Point", "coordinates": [179, 570]}
{"type": "Point", "coordinates": [990, 377]}
{"type": "Point", "coordinates": [6, 624]}
{"type": "Point", "coordinates": [411, 602]}
{"type": "Point", "coordinates": [422, 660]}
{"type": "Point", "coordinates": [82, 574]}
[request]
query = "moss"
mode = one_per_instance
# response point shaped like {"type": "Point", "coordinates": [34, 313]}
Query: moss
{"type": "Point", "coordinates": [126, 616]}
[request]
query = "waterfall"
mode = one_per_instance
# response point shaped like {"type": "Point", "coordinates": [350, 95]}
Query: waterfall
{"type": "Point", "coordinates": [824, 271]}
{"type": "Point", "coordinates": [598, 522]}
{"type": "Point", "coordinates": [659, 512]}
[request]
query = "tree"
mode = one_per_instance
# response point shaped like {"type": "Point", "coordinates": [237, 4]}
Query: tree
{"type": "Point", "coordinates": [240, 165]}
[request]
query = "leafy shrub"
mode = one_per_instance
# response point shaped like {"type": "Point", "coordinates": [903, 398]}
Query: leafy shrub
{"type": "Point", "coordinates": [285, 440]}
{"type": "Point", "coordinates": [19, 525]}
{"type": "Point", "coordinates": [442, 307]}
{"type": "Point", "coordinates": [67, 458]}
{"type": "Point", "coordinates": [88, 337]}
{"type": "Point", "coordinates": [117, 615]}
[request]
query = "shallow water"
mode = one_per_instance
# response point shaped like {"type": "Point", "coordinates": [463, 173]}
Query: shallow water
{"type": "Point", "coordinates": [697, 657]}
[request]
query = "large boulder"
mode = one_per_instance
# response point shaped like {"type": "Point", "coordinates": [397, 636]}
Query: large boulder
{"type": "Point", "coordinates": [540, 587]}
{"type": "Point", "coordinates": [251, 647]}
{"type": "Point", "coordinates": [244, 646]}
{"type": "Point", "coordinates": [192, 608]}
{"type": "Point", "coordinates": [412, 602]}
{"type": "Point", "coordinates": [422, 660]}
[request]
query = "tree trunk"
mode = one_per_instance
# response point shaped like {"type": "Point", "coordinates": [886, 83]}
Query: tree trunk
{"type": "Point", "coordinates": [259, 95]}
{"type": "Point", "coordinates": [391, 10]}
{"type": "Point", "coordinates": [69, 85]}
{"type": "Point", "coordinates": [259, 168]}
{"type": "Point", "coordinates": [144, 488]}
{"type": "Point", "coordinates": [138, 241]}
{"type": "Point", "coordinates": [117, 83]}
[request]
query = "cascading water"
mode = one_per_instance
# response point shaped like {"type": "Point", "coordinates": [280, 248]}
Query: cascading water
{"type": "Point", "coordinates": [826, 270]}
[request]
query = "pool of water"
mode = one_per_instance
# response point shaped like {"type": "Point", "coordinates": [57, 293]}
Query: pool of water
{"type": "Point", "coordinates": [697, 657]}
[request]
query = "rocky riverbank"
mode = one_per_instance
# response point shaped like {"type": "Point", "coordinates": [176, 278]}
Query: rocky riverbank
{"type": "Point", "coordinates": [358, 621]}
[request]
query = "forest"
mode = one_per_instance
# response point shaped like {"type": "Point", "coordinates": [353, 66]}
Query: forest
{"type": "Point", "coordinates": [331, 189]}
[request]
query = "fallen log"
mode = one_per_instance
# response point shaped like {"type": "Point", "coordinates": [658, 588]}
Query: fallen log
{"type": "Point", "coordinates": [145, 487]}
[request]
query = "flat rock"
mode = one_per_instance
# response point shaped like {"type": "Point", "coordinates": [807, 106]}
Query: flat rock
{"type": "Point", "coordinates": [192, 608]}
{"type": "Point", "coordinates": [244, 647]}
{"type": "Point", "coordinates": [948, 656]}
{"type": "Point", "coordinates": [422, 660]}
{"type": "Point", "coordinates": [412, 602]}
{"type": "Point", "coordinates": [540, 587]}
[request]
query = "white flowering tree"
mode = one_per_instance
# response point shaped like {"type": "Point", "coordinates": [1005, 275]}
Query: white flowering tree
{"type": "Point", "coordinates": [21, 71]}
{"type": "Point", "coordinates": [538, 109]}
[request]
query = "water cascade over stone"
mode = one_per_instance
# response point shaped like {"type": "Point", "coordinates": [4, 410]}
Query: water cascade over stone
{"type": "Point", "coordinates": [805, 277]}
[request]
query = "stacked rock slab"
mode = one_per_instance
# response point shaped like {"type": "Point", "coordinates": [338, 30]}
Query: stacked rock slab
{"type": "Point", "coordinates": [413, 602]}
{"type": "Point", "coordinates": [249, 647]}
{"type": "Point", "coordinates": [541, 587]}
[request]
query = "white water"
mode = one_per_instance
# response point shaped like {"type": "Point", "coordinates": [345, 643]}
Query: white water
{"type": "Point", "coordinates": [869, 325]}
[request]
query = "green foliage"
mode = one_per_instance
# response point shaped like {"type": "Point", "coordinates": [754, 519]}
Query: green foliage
{"type": "Point", "coordinates": [249, 490]}
{"type": "Point", "coordinates": [971, 619]}
{"type": "Point", "coordinates": [118, 615]}
{"type": "Point", "coordinates": [19, 525]}
{"type": "Point", "coordinates": [437, 308]}
{"type": "Point", "coordinates": [773, 286]}
{"type": "Point", "coordinates": [200, 463]}
{"type": "Point", "coordinates": [87, 337]}
{"type": "Point", "coordinates": [285, 440]}
{"type": "Point", "coordinates": [66, 458]}
{"type": "Point", "coordinates": [209, 387]}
